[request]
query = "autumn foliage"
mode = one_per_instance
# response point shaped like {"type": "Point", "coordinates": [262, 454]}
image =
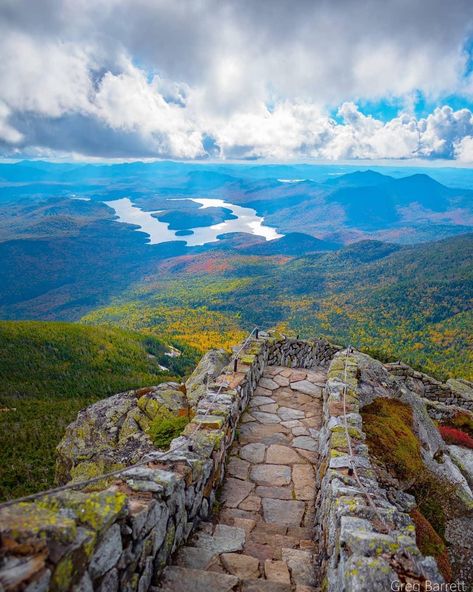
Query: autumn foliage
{"type": "Point", "coordinates": [455, 436]}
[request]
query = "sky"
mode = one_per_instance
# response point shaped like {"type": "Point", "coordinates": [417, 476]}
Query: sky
{"type": "Point", "coordinates": [269, 80]}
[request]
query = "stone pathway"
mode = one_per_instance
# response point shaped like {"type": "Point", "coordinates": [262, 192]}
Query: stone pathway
{"type": "Point", "coordinates": [261, 539]}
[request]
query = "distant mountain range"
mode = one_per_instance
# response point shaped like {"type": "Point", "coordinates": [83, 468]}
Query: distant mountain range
{"type": "Point", "coordinates": [343, 266]}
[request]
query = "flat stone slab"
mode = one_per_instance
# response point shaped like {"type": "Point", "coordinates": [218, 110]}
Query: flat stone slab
{"type": "Point", "coordinates": [260, 391]}
{"type": "Point", "coordinates": [252, 503]}
{"type": "Point", "coordinates": [226, 539]}
{"type": "Point", "coordinates": [288, 414]}
{"type": "Point", "coordinates": [300, 431]}
{"type": "Point", "coordinates": [268, 383]}
{"type": "Point", "coordinates": [284, 512]}
{"type": "Point", "coordinates": [277, 571]}
{"type": "Point", "coordinates": [182, 579]}
{"type": "Point", "coordinates": [297, 376]}
{"type": "Point", "coordinates": [266, 418]}
{"type": "Point", "coordinates": [305, 442]}
{"type": "Point", "coordinates": [282, 455]}
{"type": "Point", "coordinates": [264, 586]}
{"type": "Point", "coordinates": [238, 468]}
{"type": "Point", "coordinates": [307, 387]}
{"type": "Point", "coordinates": [260, 400]}
{"type": "Point", "coordinates": [242, 566]}
{"type": "Point", "coordinates": [271, 475]}
{"type": "Point", "coordinates": [301, 564]}
{"type": "Point", "coordinates": [281, 380]}
{"type": "Point", "coordinates": [195, 557]}
{"type": "Point", "coordinates": [283, 493]}
{"type": "Point", "coordinates": [253, 453]}
{"type": "Point", "coordinates": [304, 482]}
{"type": "Point", "coordinates": [234, 491]}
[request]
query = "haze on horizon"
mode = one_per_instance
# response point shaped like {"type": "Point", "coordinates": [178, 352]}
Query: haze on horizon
{"type": "Point", "coordinates": [237, 80]}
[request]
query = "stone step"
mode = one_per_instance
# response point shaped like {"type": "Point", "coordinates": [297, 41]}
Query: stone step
{"type": "Point", "coordinates": [182, 579]}
{"type": "Point", "coordinates": [195, 557]}
{"type": "Point", "coordinates": [264, 586]}
{"type": "Point", "coordinates": [225, 539]}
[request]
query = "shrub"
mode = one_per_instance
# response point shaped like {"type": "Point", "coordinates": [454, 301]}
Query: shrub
{"type": "Point", "coordinates": [391, 439]}
{"type": "Point", "coordinates": [388, 427]}
{"type": "Point", "coordinates": [455, 436]}
{"type": "Point", "coordinates": [164, 429]}
{"type": "Point", "coordinates": [462, 421]}
{"type": "Point", "coordinates": [430, 543]}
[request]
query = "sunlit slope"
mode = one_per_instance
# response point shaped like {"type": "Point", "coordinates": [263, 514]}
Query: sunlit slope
{"type": "Point", "coordinates": [48, 372]}
{"type": "Point", "coordinates": [410, 302]}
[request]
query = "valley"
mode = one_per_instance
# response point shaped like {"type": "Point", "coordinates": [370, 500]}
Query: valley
{"type": "Point", "coordinates": [103, 268]}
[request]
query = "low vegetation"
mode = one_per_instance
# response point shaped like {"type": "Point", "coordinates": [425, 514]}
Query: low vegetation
{"type": "Point", "coordinates": [164, 429]}
{"type": "Point", "coordinates": [48, 372]}
{"type": "Point", "coordinates": [391, 440]}
{"type": "Point", "coordinates": [409, 303]}
{"type": "Point", "coordinates": [455, 436]}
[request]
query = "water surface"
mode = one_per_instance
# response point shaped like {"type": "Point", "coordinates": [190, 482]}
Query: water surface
{"type": "Point", "coordinates": [246, 220]}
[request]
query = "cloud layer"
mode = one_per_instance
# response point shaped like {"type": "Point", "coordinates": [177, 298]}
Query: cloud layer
{"type": "Point", "coordinates": [234, 79]}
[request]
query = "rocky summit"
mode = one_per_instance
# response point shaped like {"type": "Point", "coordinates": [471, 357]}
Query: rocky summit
{"type": "Point", "coordinates": [291, 466]}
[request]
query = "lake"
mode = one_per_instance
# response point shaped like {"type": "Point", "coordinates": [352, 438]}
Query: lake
{"type": "Point", "coordinates": [246, 220]}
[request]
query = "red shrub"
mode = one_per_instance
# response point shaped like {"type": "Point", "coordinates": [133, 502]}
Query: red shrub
{"type": "Point", "coordinates": [455, 436]}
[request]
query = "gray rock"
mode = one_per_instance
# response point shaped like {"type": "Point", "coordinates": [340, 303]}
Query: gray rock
{"type": "Point", "coordinates": [307, 387]}
{"type": "Point", "coordinates": [258, 400]}
{"type": "Point", "coordinates": [253, 453]}
{"type": "Point", "coordinates": [301, 564]}
{"type": "Point", "coordinates": [234, 491]}
{"type": "Point", "coordinates": [288, 414]}
{"type": "Point", "coordinates": [107, 553]}
{"type": "Point", "coordinates": [181, 579]}
{"type": "Point", "coordinates": [41, 584]}
{"type": "Point", "coordinates": [109, 582]}
{"type": "Point", "coordinates": [226, 539]}
{"type": "Point", "coordinates": [463, 458]}
{"type": "Point", "coordinates": [265, 418]}
{"type": "Point", "coordinates": [195, 557]}
{"type": "Point", "coordinates": [271, 475]}
{"type": "Point", "coordinates": [462, 388]}
{"type": "Point", "coordinates": [305, 442]}
{"type": "Point", "coordinates": [362, 574]}
{"type": "Point", "coordinates": [207, 370]}
{"type": "Point", "coordinates": [283, 512]}
{"type": "Point", "coordinates": [85, 584]}
{"type": "Point", "coordinates": [264, 586]}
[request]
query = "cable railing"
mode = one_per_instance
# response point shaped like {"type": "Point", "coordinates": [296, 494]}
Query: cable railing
{"type": "Point", "coordinates": [160, 456]}
{"type": "Point", "coordinates": [353, 470]}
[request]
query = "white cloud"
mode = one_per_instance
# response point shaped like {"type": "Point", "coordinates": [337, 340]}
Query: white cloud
{"type": "Point", "coordinates": [8, 133]}
{"type": "Point", "coordinates": [464, 150]}
{"type": "Point", "coordinates": [129, 102]}
{"type": "Point", "coordinates": [156, 77]}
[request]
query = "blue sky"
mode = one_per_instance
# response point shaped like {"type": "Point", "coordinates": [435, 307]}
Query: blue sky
{"type": "Point", "coordinates": [310, 80]}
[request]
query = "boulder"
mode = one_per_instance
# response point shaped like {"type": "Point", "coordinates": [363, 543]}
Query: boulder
{"type": "Point", "coordinates": [112, 433]}
{"type": "Point", "coordinates": [207, 370]}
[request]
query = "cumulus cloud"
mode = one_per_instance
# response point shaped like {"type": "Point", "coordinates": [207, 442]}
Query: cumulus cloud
{"type": "Point", "coordinates": [137, 78]}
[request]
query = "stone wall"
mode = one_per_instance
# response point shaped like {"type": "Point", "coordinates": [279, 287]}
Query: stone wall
{"type": "Point", "coordinates": [429, 388]}
{"type": "Point", "coordinates": [297, 353]}
{"type": "Point", "coordinates": [119, 534]}
{"type": "Point", "coordinates": [362, 548]}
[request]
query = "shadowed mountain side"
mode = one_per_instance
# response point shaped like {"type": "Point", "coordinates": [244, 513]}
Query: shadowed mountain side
{"type": "Point", "coordinates": [63, 278]}
{"type": "Point", "coordinates": [294, 243]}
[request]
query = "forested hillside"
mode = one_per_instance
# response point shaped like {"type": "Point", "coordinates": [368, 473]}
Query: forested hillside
{"type": "Point", "coordinates": [412, 303]}
{"type": "Point", "coordinates": [49, 371]}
